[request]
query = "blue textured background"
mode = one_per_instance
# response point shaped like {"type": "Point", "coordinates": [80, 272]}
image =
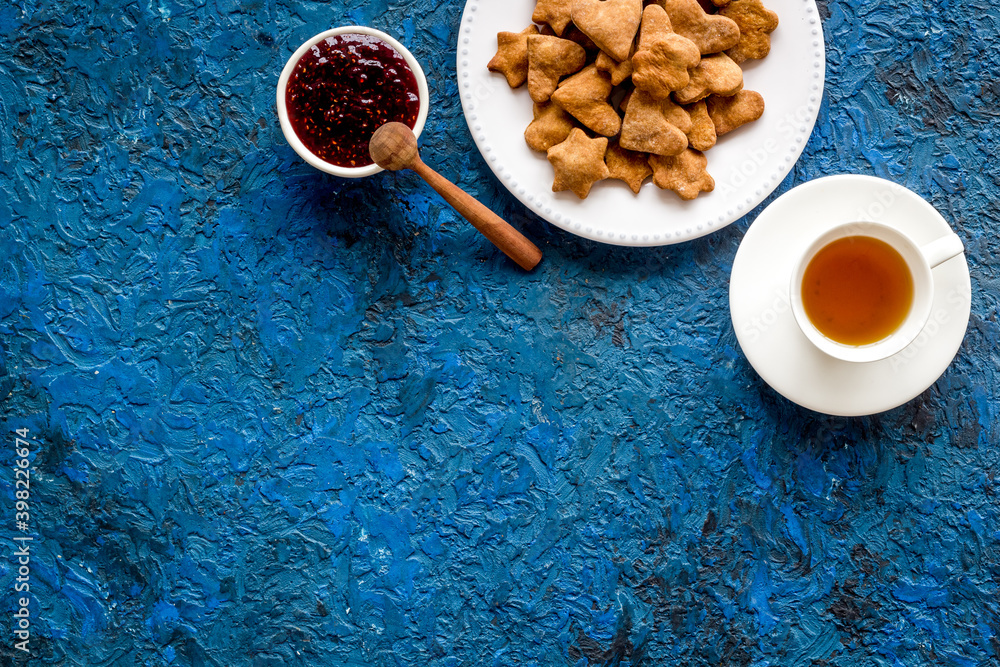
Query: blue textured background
{"type": "Point", "coordinates": [284, 419]}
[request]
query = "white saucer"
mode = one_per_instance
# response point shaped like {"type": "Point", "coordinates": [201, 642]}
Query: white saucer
{"type": "Point", "coordinates": [773, 342]}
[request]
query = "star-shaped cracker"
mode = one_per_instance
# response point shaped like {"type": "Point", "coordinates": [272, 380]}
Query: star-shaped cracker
{"type": "Point", "coordinates": [611, 24]}
{"type": "Point", "coordinates": [729, 113]}
{"type": "Point", "coordinates": [578, 163]}
{"type": "Point", "coordinates": [550, 58]}
{"type": "Point", "coordinates": [511, 58]}
{"type": "Point", "coordinates": [712, 33]}
{"type": "Point", "coordinates": [756, 24]}
{"type": "Point", "coordinates": [585, 97]}
{"type": "Point", "coordinates": [551, 126]}
{"type": "Point", "coordinates": [716, 74]}
{"type": "Point", "coordinates": [554, 13]}
{"type": "Point", "coordinates": [618, 71]}
{"type": "Point", "coordinates": [647, 129]}
{"type": "Point", "coordinates": [702, 135]}
{"type": "Point", "coordinates": [685, 174]}
{"type": "Point", "coordinates": [628, 166]}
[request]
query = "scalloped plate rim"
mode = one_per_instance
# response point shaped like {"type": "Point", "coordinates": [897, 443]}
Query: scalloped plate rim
{"type": "Point", "coordinates": [763, 156]}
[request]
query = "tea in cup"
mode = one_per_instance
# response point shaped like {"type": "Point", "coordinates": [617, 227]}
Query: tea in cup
{"type": "Point", "coordinates": [863, 291]}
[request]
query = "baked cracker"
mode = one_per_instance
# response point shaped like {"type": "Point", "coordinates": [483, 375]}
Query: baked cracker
{"type": "Point", "coordinates": [549, 59]}
{"type": "Point", "coordinates": [611, 24]}
{"type": "Point", "coordinates": [685, 174]}
{"type": "Point", "coordinates": [628, 166]}
{"type": "Point", "coordinates": [702, 135]}
{"type": "Point", "coordinates": [551, 126]}
{"type": "Point", "coordinates": [663, 65]}
{"type": "Point", "coordinates": [585, 97]}
{"type": "Point", "coordinates": [712, 33]}
{"type": "Point", "coordinates": [756, 23]}
{"type": "Point", "coordinates": [647, 129]}
{"type": "Point", "coordinates": [578, 163]}
{"type": "Point", "coordinates": [511, 58]}
{"type": "Point", "coordinates": [716, 74]}
{"type": "Point", "coordinates": [553, 13]}
{"type": "Point", "coordinates": [729, 113]}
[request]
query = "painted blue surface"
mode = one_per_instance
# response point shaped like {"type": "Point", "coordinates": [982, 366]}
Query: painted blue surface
{"type": "Point", "coordinates": [281, 419]}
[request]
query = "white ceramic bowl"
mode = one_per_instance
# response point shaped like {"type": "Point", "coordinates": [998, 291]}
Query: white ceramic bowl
{"type": "Point", "coordinates": [286, 126]}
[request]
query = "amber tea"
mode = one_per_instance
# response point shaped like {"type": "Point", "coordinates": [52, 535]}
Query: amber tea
{"type": "Point", "coordinates": [857, 290]}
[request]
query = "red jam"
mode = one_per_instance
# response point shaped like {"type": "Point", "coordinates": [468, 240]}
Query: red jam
{"type": "Point", "coordinates": [343, 89]}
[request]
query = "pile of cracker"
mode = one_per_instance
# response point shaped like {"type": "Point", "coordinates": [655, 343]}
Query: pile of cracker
{"type": "Point", "coordinates": [629, 89]}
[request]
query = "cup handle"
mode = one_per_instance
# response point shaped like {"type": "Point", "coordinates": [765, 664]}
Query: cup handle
{"type": "Point", "coordinates": [943, 249]}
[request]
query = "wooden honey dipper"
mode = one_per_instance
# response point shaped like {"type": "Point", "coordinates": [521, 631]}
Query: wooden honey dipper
{"type": "Point", "coordinates": [394, 147]}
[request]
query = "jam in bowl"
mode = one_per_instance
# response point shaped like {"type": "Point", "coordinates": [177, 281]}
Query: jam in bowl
{"type": "Point", "coordinates": [341, 86]}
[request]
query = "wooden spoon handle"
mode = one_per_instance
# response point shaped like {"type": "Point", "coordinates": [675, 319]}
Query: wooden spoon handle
{"type": "Point", "coordinates": [492, 226]}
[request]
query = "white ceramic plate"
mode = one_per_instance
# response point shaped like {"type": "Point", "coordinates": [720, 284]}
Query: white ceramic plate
{"type": "Point", "coordinates": [767, 331]}
{"type": "Point", "coordinates": [747, 164]}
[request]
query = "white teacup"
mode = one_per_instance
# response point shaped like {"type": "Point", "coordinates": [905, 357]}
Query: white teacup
{"type": "Point", "coordinates": [920, 260]}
